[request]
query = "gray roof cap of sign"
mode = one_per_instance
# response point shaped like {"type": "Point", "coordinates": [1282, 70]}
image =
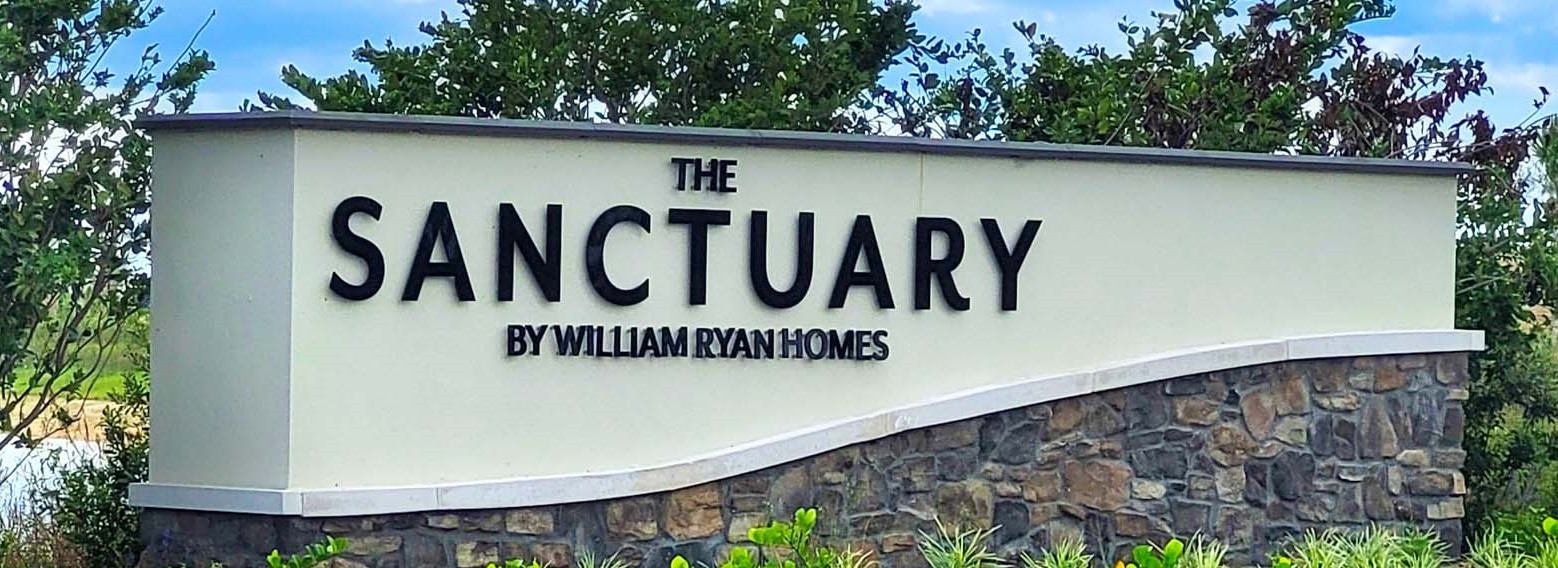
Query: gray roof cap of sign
{"type": "Point", "coordinates": [360, 122]}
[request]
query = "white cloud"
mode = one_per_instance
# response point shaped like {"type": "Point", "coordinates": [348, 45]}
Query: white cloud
{"type": "Point", "coordinates": [218, 101]}
{"type": "Point", "coordinates": [1497, 11]}
{"type": "Point", "coordinates": [1526, 76]}
{"type": "Point", "coordinates": [939, 7]}
{"type": "Point", "coordinates": [1399, 46]}
{"type": "Point", "coordinates": [1517, 86]}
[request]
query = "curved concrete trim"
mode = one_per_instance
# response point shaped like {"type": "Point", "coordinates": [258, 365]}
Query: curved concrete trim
{"type": "Point", "coordinates": [760, 454]}
{"type": "Point", "coordinates": [468, 126]}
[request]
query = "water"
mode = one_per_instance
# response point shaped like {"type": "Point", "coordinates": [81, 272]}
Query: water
{"type": "Point", "coordinates": [36, 468]}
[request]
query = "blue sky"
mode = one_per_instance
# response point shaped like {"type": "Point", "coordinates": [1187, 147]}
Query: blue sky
{"type": "Point", "coordinates": [251, 39]}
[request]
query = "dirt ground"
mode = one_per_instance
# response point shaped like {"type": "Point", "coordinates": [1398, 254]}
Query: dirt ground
{"type": "Point", "coordinates": [87, 427]}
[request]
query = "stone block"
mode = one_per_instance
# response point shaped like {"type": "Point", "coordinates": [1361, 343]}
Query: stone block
{"type": "Point", "coordinates": [1436, 483]}
{"type": "Point", "coordinates": [1099, 484]}
{"type": "Point", "coordinates": [1259, 410]}
{"type": "Point", "coordinates": [1378, 438]}
{"type": "Point", "coordinates": [1195, 411]}
{"type": "Point", "coordinates": [475, 554]}
{"type": "Point", "coordinates": [1229, 445]}
{"type": "Point", "coordinates": [1019, 446]}
{"type": "Point", "coordinates": [552, 554]}
{"type": "Point", "coordinates": [1012, 521]}
{"type": "Point", "coordinates": [372, 545]}
{"type": "Point", "coordinates": [1453, 508]}
{"type": "Point", "coordinates": [791, 490]}
{"type": "Point", "coordinates": [529, 521]}
{"type": "Point", "coordinates": [424, 551]}
{"type": "Point", "coordinates": [1293, 430]}
{"type": "Point", "coordinates": [897, 542]}
{"type": "Point", "coordinates": [1230, 484]}
{"type": "Point", "coordinates": [956, 435]}
{"type": "Point", "coordinates": [1413, 458]}
{"type": "Point", "coordinates": [966, 504]}
{"type": "Point", "coordinates": [693, 512]}
{"type": "Point", "coordinates": [632, 519]}
{"type": "Point", "coordinates": [1452, 459]}
{"type": "Point", "coordinates": [914, 475]}
{"type": "Point", "coordinates": [1290, 395]}
{"type": "Point", "coordinates": [741, 524]}
{"type": "Point", "coordinates": [1067, 415]}
{"type": "Point", "coordinates": [1345, 401]}
{"type": "Point", "coordinates": [485, 521]}
{"type": "Point", "coordinates": [1147, 490]}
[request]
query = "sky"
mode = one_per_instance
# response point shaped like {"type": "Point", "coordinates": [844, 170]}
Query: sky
{"type": "Point", "coordinates": [251, 40]}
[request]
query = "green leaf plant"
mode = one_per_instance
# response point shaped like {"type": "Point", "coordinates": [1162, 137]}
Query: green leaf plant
{"type": "Point", "coordinates": [313, 555]}
{"type": "Point", "coordinates": [789, 545]}
{"type": "Point", "coordinates": [1152, 556]}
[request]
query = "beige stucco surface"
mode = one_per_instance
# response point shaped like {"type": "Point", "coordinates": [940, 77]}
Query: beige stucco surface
{"type": "Point", "coordinates": [221, 296]}
{"type": "Point", "coordinates": [267, 380]}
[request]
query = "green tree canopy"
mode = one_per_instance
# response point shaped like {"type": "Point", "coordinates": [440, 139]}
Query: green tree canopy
{"type": "Point", "coordinates": [794, 64]}
{"type": "Point", "coordinates": [74, 191]}
{"type": "Point", "coordinates": [1294, 76]}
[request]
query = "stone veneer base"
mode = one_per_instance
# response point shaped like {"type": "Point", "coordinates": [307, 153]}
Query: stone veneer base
{"type": "Point", "coordinates": [1251, 456]}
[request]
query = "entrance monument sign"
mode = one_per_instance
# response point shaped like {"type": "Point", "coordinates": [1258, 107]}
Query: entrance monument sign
{"type": "Point", "coordinates": [360, 316]}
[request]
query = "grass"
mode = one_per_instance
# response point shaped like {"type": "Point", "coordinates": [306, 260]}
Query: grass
{"type": "Point", "coordinates": [95, 388]}
{"type": "Point", "coordinates": [126, 354]}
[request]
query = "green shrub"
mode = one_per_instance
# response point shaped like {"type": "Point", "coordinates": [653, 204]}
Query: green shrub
{"type": "Point", "coordinates": [1498, 548]}
{"type": "Point", "coordinates": [1067, 553]}
{"type": "Point", "coordinates": [1516, 542]}
{"type": "Point", "coordinates": [789, 545]}
{"type": "Point", "coordinates": [1507, 265]}
{"type": "Point", "coordinates": [90, 505]}
{"type": "Point", "coordinates": [584, 559]}
{"type": "Point", "coordinates": [588, 559]}
{"type": "Point", "coordinates": [313, 555]}
{"type": "Point", "coordinates": [953, 548]}
{"type": "Point", "coordinates": [1375, 547]}
{"type": "Point", "coordinates": [1153, 556]}
{"type": "Point", "coordinates": [1202, 552]}
{"type": "Point", "coordinates": [1520, 528]}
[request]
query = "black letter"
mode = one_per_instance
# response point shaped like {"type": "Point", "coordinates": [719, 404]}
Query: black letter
{"type": "Point", "coordinates": [516, 340]}
{"type": "Point", "coordinates": [727, 174]}
{"type": "Point", "coordinates": [757, 261]}
{"type": "Point", "coordinates": [1009, 261]}
{"type": "Point", "coordinates": [879, 337]}
{"type": "Point", "coordinates": [862, 238]}
{"type": "Point", "coordinates": [595, 255]}
{"type": "Point", "coordinates": [438, 227]}
{"type": "Point", "coordinates": [357, 246]}
{"type": "Point", "coordinates": [698, 221]}
{"type": "Point", "coordinates": [925, 266]}
{"type": "Point", "coordinates": [681, 171]}
{"type": "Point", "coordinates": [547, 272]}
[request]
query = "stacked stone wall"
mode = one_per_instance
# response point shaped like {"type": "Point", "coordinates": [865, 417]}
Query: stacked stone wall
{"type": "Point", "coordinates": [1251, 456]}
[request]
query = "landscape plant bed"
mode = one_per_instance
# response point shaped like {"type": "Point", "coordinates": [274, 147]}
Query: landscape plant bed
{"type": "Point", "coordinates": [793, 544]}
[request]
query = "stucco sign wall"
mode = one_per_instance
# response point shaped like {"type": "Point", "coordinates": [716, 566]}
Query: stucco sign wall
{"type": "Point", "coordinates": [358, 314]}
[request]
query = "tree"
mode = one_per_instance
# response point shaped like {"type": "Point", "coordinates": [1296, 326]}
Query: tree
{"type": "Point", "coordinates": [1295, 78]}
{"type": "Point", "coordinates": [74, 184]}
{"type": "Point", "coordinates": [74, 192]}
{"type": "Point", "coordinates": [1290, 76]}
{"type": "Point", "coordinates": [797, 64]}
